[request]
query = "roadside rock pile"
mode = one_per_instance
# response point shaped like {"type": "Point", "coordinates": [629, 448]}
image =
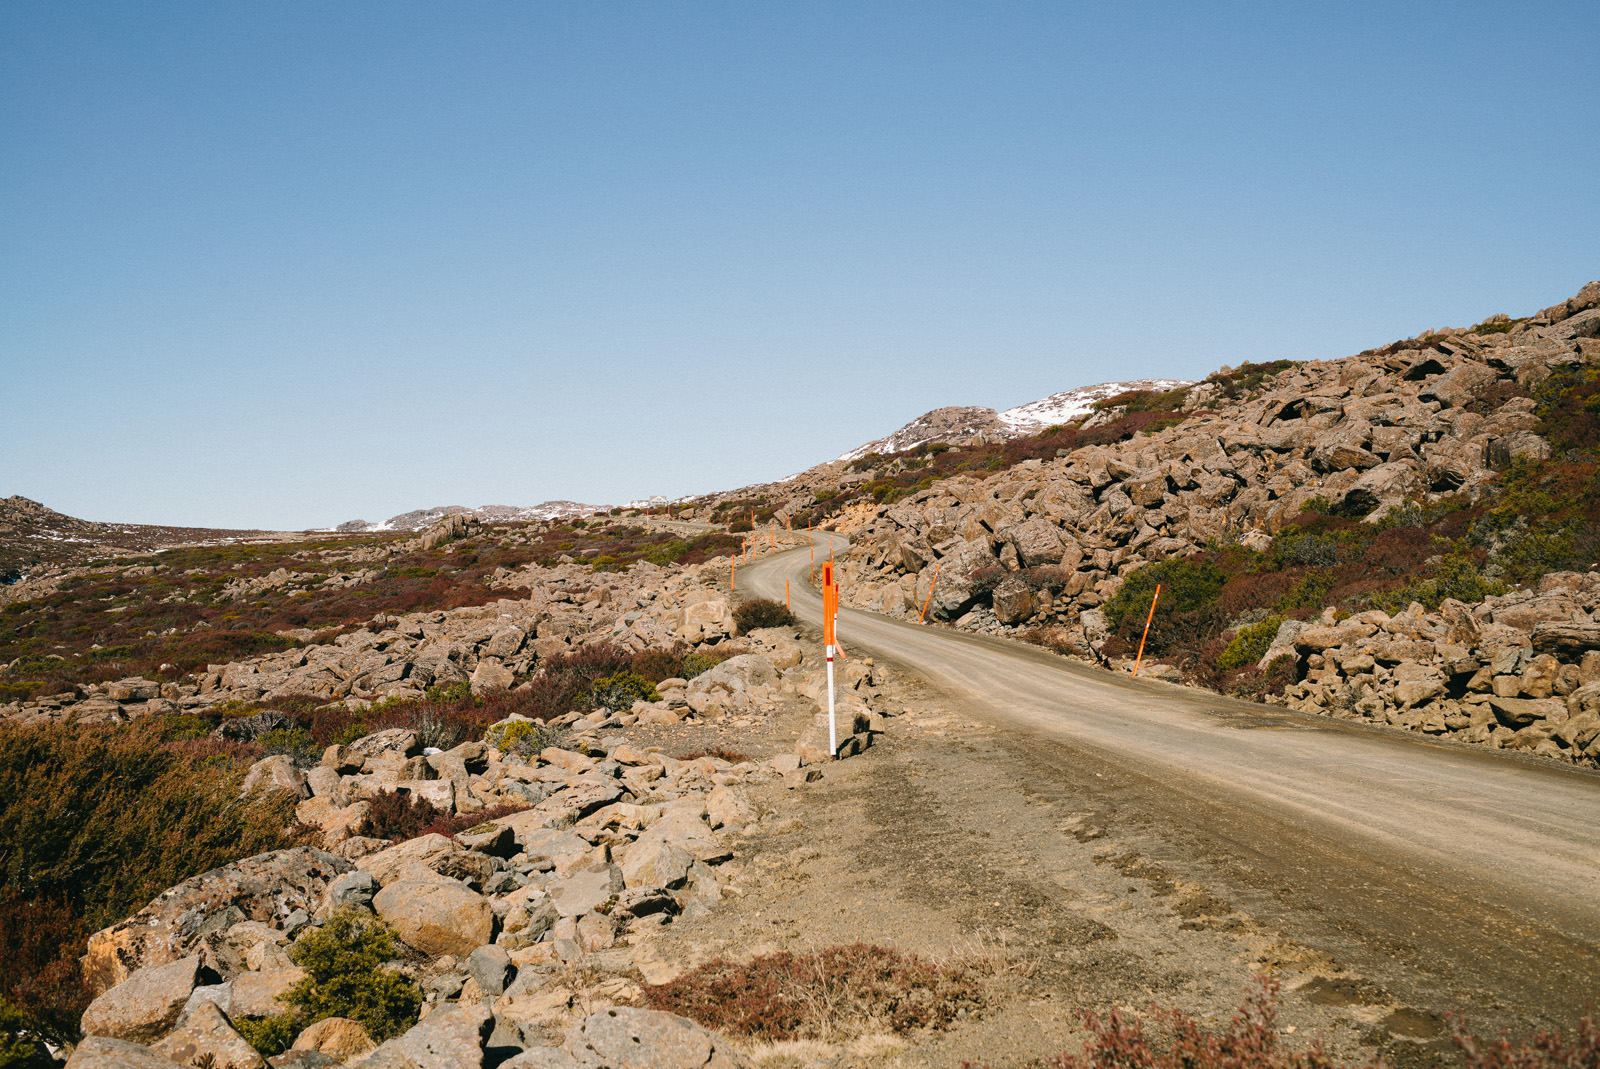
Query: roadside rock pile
{"type": "Point", "coordinates": [614, 842]}
{"type": "Point", "coordinates": [1520, 671]}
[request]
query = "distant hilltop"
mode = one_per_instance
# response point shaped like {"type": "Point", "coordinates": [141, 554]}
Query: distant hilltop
{"type": "Point", "coordinates": [417, 519]}
{"type": "Point", "coordinates": [966, 425]}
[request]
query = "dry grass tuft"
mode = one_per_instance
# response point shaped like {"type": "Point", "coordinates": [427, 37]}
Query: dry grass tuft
{"type": "Point", "coordinates": [830, 994]}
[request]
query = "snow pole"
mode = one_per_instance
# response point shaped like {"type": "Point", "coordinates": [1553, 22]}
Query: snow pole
{"type": "Point", "coordinates": [1140, 658]}
{"type": "Point", "coordinates": [830, 609]}
{"type": "Point", "coordinates": [923, 614]}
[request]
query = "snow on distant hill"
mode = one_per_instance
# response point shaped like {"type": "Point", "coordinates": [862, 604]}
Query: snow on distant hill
{"type": "Point", "coordinates": [417, 519]}
{"type": "Point", "coordinates": [965, 425]}
{"type": "Point", "coordinates": [1071, 404]}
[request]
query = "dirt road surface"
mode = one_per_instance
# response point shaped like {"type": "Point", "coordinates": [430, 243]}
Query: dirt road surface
{"type": "Point", "coordinates": [1425, 874]}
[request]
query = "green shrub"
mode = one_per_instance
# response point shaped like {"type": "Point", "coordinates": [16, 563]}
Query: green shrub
{"type": "Point", "coordinates": [1309, 592]}
{"type": "Point", "coordinates": [521, 737]}
{"type": "Point", "coordinates": [270, 1035]}
{"type": "Point", "coordinates": [1249, 644]}
{"type": "Point", "coordinates": [1186, 586]}
{"type": "Point", "coordinates": [697, 663]}
{"type": "Point", "coordinates": [346, 976]}
{"type": "Point", "coordinates": [762, 612]}
{"type": "Point", "coordinates": [1455, 577]}
{"type": "Point", "coordinates": [618, 692]}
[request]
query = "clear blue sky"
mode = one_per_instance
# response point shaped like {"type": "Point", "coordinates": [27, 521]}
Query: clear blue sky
{"type": "Point", "coordinates": [286, 264]}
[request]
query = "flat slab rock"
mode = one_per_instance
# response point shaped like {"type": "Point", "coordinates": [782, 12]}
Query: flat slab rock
{"type": "Point", "coordinates": [625, 1038]}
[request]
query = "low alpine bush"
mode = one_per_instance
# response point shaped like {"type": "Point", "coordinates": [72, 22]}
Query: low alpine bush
{"type": "Point", "coordinates": [346, 976]}
{"type": "Point", "coordinates": [762, 612]}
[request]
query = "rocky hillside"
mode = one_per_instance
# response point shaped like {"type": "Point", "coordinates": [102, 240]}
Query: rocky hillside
{"type": "Point", "coordinates": [1405, 535]}
{"type": "Point", "coordinates": [188, 628]}
{"type": "Point", "coordinates": [33, 537]}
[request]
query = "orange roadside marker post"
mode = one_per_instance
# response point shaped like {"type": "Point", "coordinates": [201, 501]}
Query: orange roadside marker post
{"type": "Point", "coordinates": [733, 574]}
{"type": "Point", "coordinates": [931, 583]}
{"type": "Point", "coordinates": [1140, 658]}
{"type": "Point", "coordinates": [830, 609]}
{"type": "Point", "coordinates": [786, 594]}
{"type": "Point", "coordinates": [772, 534]}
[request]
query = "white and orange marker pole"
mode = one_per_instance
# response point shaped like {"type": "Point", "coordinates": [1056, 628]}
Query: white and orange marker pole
{"type": "Point", "coordinates": [830, 609]}
{"type": "Point", "coordinates": [931, 583]}
{"type": "Point", "coordinates": [1140, 658]}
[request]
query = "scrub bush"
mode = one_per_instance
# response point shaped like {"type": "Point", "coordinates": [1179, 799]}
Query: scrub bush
{"type": "Point", "coordinates": [1249, 644]}
{"type": "Point", "coordinates": [762, 612]}
{"type": "Point", "coordinates": [346, 976]}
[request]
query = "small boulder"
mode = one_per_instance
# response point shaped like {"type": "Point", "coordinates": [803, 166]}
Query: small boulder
{"type": "Point", "coordinates": [275, 773]}
{"type": "Point", "coordinates": [209, 1032]}
{"type": "Point", "coordinates": [450, 1038]}
{"type": "Point", "coordinates": [430, 852]}
{"type": "Point", "coordinates": [436, 918]}
{"type": "Point", "coordinates": [352, 889]}
{"type": "Point", "coordinates": [255, 994]}
{"type": "Point", "coordinates": [340, 1037]}
{"type": "Point", "coordinates": [583, 892]}
{"type": "Point", "coordinates": [655, 864]}
{"type": "Point", "coordinates": [146, 1005]}
{"type": "Point", "coordinates": [489, 966]}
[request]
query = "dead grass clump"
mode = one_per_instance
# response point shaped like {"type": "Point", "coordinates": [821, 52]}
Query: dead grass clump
{"type": "Point", "coordinates": [1171, 1039]}
{"type": "Point", "coordinates": [719, 753]}
{"type": "Point", "coordinates": [837, 990]}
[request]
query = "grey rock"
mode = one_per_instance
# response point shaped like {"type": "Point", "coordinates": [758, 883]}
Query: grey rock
{"type": "Point", "coordinates": [209, 1032]}
{"type": "Point", "coordinates": [625, 1038]}
{"type": "Point", "coordinates": [353, 889]}
{"type": "Point", "coordinates": [450, 1038]}
{"type": "Point", "coordinates": [586, 890]}
{"type": "Point", "coordinates": [490, 966]}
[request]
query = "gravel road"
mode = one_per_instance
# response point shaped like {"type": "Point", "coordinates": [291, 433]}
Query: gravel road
{"type": "Point", "coordinates": [1454, 877]}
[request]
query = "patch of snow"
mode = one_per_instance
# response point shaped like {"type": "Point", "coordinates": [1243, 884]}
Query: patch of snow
{"type": "Point", "coordinates": [1069, 405]}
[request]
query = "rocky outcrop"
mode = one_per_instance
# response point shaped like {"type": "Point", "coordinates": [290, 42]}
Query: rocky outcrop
{"type": "Point", "coordinates": [622, 839]}
{"type": "Point", "coordinates": [192, 917]}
